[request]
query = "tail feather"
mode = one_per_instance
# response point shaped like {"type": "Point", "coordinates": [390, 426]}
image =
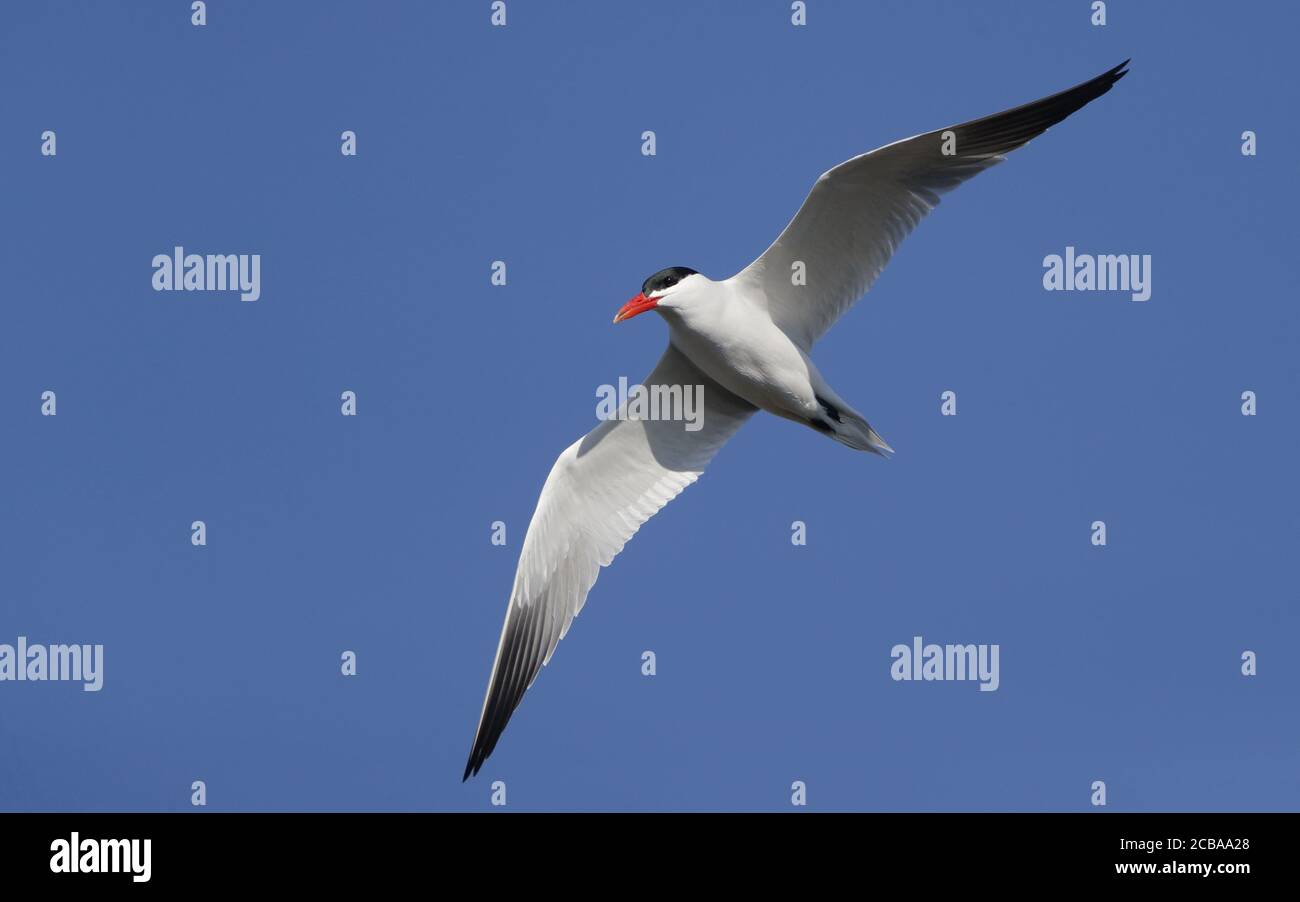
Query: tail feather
{"type": "Point", "coordinates": [852, 430]}
{"type": "Point", "coordinates": [844, 424]}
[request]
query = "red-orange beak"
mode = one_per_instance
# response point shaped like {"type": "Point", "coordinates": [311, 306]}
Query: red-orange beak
{"type": "Point", "coordinates": [638, 304]}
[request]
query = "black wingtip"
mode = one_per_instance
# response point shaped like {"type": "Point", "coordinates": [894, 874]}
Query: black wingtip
{"type": "Point", "coordinates": [1106, 80]}
{"type": "Point", "coordinates": [1110, 76]}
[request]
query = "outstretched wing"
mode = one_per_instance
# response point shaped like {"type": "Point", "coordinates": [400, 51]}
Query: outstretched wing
{"type": "Point", "coordinates": [858, 213]}
{"type": "Point", "coordinates": [600, 491]}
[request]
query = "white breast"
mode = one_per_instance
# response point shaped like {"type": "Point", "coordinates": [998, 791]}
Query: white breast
{"type": "Point", "coordinates": [736, 343]}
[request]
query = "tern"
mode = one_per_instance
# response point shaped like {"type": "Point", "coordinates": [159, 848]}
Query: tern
{"type": "Point", "coordinates": [747, 341]}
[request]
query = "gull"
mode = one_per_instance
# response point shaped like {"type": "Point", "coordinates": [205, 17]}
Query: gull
{"type": "Point", "coordinates": [746, 341]}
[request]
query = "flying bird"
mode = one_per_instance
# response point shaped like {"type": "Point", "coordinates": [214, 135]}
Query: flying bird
{"type": "Point", "coordinates": [747, 341]}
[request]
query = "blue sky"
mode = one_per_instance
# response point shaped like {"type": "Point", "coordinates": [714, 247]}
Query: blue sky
{"type": "Point", "coordinates": [522, 144]}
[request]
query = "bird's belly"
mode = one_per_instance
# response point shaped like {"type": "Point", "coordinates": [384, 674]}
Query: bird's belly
{"type": "Point", "coordinates": [766, 370]}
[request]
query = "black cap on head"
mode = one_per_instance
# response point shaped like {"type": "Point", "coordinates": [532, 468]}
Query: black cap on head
{"type": "Point", "coordinates": [666, 278]}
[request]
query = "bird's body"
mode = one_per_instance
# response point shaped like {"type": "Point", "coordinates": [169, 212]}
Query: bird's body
{"type": "Point", "coordinates": [746, 342]}
{"type": "Point", "coordinates": [735, 342]}
{"type": "Point", "coordinates": [727, 332]}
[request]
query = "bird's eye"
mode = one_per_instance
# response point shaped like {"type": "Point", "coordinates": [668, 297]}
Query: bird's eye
{"type": "Point", "coordinates": [672, 280]}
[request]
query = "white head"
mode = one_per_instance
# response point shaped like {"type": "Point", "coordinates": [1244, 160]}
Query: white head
{"type": "Point", "coordinates": [667, 289]}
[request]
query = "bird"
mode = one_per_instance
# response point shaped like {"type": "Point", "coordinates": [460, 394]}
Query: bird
{"type": "Point", "coordinates": [747, 342]}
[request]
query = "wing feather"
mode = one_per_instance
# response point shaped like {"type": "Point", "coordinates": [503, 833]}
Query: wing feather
{"type": "Point", "coordinates": [599, 492]}
{"type": "Point", "coordinates": [858, 213]}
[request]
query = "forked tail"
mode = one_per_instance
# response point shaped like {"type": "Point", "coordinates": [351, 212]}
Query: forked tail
{"type": "Point", "coordinates": [849, 428]}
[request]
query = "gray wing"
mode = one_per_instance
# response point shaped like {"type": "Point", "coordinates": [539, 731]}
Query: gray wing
{"type": "Point", "coordinates": [858, 213]}
{"type": "Point", "coordinates": [600, 491]}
